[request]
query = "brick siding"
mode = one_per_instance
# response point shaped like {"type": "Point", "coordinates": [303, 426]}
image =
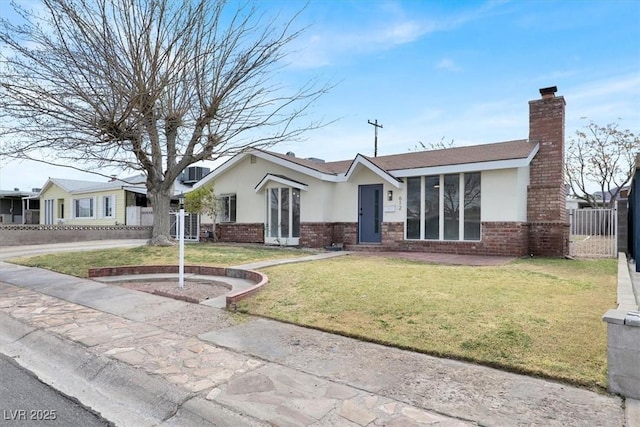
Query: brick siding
{"type": "Point", "coordinates": [321, 234]}
{"type": "Point", "coordinates": [240, 233]}
{"type": "Point", "coordinates": [549, 239]}
{"type": "Point", "coordinates": [505, 238]}
{"type": "Point", "coordinates": [316, 234]}
{"type": "Point", "coordinates": [546, 195]}
{"type": "Point", "coordinates": [392, 233]}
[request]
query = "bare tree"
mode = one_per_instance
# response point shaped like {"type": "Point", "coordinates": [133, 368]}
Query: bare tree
{"type": "Point", "coordinates": [602, 156]}
{"type": "Point", "coordinates": [440, 145]}
{"type": "Point", "coordinates": [148, 85]}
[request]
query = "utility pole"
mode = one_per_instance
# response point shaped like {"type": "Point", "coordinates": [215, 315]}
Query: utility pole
{"type": "Point", "coordinates": [375, 141]}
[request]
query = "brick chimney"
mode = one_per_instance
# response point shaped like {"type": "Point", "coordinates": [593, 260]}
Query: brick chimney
{"type": "Point", "coordinates": [546, 197]}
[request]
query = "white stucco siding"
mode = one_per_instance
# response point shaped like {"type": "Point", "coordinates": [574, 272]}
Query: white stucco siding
{"type": "Point", "coordinates": [316, 204]}
{"type": "Point", "coordinates": [504, 194]}
{"type": "Point", "coordinates": [345, 207]}
{"type": "Point", "coordinates": [242, 178]}
{"type": "Point", "coordinates": [394, 210]}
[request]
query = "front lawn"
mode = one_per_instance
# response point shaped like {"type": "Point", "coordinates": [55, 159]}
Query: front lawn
{"type": "Point", "coordinates": [535, 316]}
{"type": "Point", "coordinates": [218, 255]}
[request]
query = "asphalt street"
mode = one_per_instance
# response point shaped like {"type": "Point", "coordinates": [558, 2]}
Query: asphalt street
{"type": "Point", "coordinates": [26, 401]}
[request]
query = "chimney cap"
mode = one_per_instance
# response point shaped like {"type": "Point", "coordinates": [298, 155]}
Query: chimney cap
{"type": "Point", "coordinates": [548, 92]}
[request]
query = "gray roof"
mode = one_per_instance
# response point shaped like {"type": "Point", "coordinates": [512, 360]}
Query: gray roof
{"type": "Point", "coordinates": [16, 194]}
{"type": "Point", "coordinates": [78, 186]}
{"type": "Point", "coordinates": [136, 184]}
{"type": "Point", "coordinates": [519, 149]}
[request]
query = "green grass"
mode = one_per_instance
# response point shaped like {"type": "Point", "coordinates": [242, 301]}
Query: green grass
{"type": "Point", "coordinates": [539, 317]}
{"type": "Point", "coordinates": [535, 316]}
{"type": "Point", "coordinates": [78, 263]}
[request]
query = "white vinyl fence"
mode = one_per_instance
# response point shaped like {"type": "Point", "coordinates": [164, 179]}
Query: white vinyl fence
{"type": "Point", "coordinates": [137, 215]}
{"type": "Point", "coordinates": [593, 233]}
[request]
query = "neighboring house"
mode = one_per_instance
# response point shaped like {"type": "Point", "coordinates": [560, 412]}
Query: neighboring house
{"type": "Point", "coordinates": [505, 198]}
{"type": "Point", "coordinates": [75, 202]}
{"type": "Point", "coordinates": [17, 207]}
{"type": "Point", "coordinates": [117, 202]}
{"type": "Point", "coordinates": [601, 198]}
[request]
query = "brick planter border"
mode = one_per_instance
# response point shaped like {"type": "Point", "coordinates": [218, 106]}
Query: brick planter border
{"type": "Point", "coordinates": [256, 277]}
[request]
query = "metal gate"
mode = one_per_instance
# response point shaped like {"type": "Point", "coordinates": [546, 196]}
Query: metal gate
{"type": "Point", "coordinates": [191, 226]}
{"type": "Point", "coordinates": [593, 233]}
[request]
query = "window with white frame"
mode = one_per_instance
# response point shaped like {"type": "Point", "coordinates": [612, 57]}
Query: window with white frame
{"type": "Point", "coordinates": [108, 206]}
{"type": "Point", "coordinates": [84, 208]}
{"type": "Point", "coordinates": [227, 206]}
{"type": "Point", "coordinates": [443, 207]}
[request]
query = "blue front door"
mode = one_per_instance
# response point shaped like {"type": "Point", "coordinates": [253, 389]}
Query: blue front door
{"type": "Point", "coordinates": [370, 213]}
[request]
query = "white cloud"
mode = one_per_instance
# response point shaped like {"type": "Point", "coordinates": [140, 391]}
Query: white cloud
{"type": "Point", "coordinates": [606, 88]}
{"type": "Point", "coordinates": [384, 28]}
{"type": "Point", "coordinates": [325, 48]}
{"type": "Point", "coordinates": [447, 64]}
{"type": "Point", "coordinates": [612, 100]}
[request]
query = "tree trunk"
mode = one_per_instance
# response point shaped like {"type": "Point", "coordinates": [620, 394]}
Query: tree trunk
{"type": "Point", "coordinates": [160, 199]}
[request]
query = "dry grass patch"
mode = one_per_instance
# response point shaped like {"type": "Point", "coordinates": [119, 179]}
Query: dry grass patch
{"type": "Point", "coordinates": [79, 263]}
{"type": "Point", "coordinates": [540, 317]}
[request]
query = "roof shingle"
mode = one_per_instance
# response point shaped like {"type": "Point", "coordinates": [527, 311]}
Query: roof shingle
{"type": "Point", "coordinates": [519, 149]}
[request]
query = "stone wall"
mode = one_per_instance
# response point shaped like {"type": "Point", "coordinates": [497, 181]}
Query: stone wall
{"type": "Point", "coordinates": [15, 235]}
{"type": "Point", "coordinates": [623, 337]}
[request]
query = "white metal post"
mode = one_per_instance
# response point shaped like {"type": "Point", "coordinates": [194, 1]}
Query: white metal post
{"type": "Point", "coordinates": [181, 246]}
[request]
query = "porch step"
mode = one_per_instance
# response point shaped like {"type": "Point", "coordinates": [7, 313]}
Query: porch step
{"type": "Point", "coordinates": [368, 248]}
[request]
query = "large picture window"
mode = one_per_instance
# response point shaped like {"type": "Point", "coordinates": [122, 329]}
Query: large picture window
{"type": "Point", "coordinates": [443, 207]}
{"type": "Point", "coordinates": [472, 206]}
{"type": "Point", "coordinates": [83, 208]}
{"type": "Point", "coordinates": [431, 207]}
{"type": "Point", "coordinates": [413, 207]}
{"type": "Point", "coordinates": [451, 202]}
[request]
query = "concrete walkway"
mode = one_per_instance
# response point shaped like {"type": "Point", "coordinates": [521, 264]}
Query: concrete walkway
{"type": "Point", "coordinates": [7, 252]}
{"type": "Point", "coordinates": [141, 359]}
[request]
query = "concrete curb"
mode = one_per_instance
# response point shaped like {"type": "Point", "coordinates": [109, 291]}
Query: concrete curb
{"type": "Point", "coordinates": [632, 412]}
{"type": "Point", "coordinates": [120, 393]}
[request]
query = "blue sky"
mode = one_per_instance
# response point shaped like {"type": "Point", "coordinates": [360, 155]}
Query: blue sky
{"type": "Point", "coordinates": [458, 70]}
